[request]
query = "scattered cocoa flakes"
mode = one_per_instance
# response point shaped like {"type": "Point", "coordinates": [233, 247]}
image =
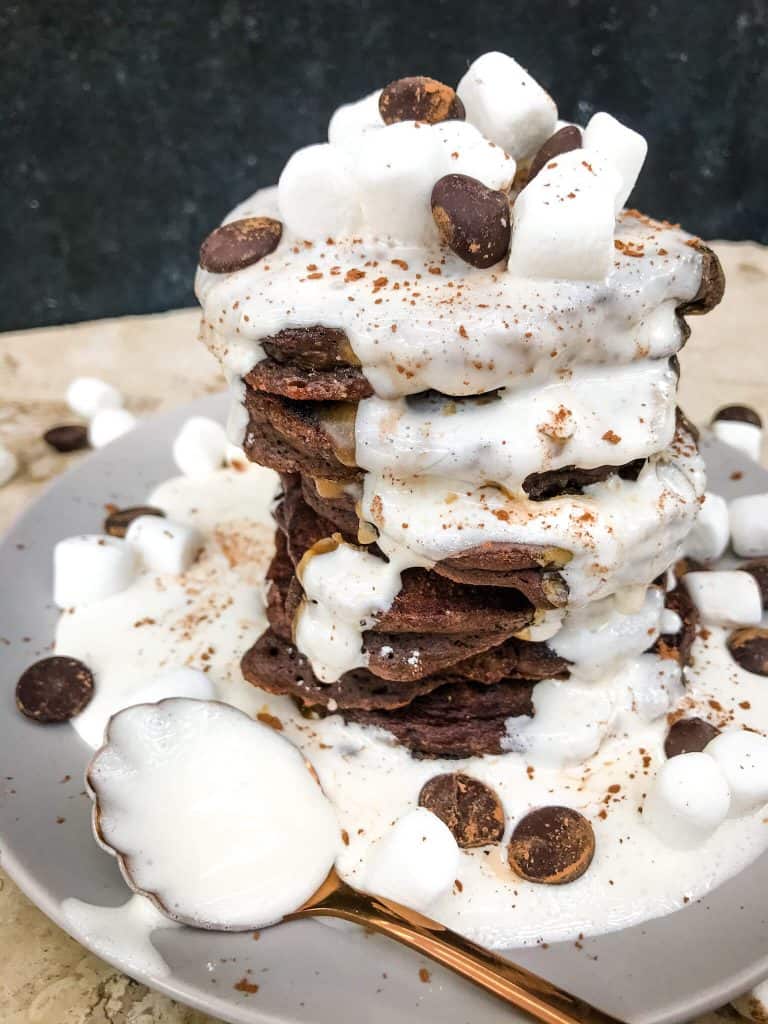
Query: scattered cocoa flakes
{"type": "Point", "coordinates": [611, 437]}
{"type": "Point", "coordinates": [463, 331]}
{"type": "Point", "coordinates": [249, 987]}
{"type": "Point", "coordinates": [424, 975]}
{"type": "Point", "coordinates": [345, 837]}
{"type": "Point", "coordinates": [353, 274]}
{"type": "Point", "coordinates": [400, 263]}
{"type": "Point", "coordinates": [316, 276]}
{"type": "Point", "coordinates": [458, 886]}
{"type": "Point", "coordinates": [271, 720]}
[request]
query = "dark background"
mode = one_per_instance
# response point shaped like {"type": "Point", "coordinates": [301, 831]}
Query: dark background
{"type": "Point", "coordinates": [127, 129]}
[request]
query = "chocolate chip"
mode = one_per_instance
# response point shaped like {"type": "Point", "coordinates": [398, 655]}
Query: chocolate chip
{"type": "Point", "coordinates": [749, 648]}
{"type": "Point", "coordinates": [552, 845]}
{"type": "Point", "coordinates": [758, 568]}
{"type": "Point", "coordinates": [419, 99]}
{"type": "Point", "coordinates": [473, 220]}
{"type": "Point", "coordinates": [54, 689]}
{"type": "Point", "coordinates": [738, 414]}
{"type": "Point", "coordinates": [469, 808]}
{"type": "Point", "coordinates": [69, 437]}
{"type": "Point", "coordinates": [689, 736]}
{"type": "Point", "coordinates": [239, 244]}
{"type": "Point", "coordinates": [562, 141]}
{"type": "Point", "coordinates": [116, 524]}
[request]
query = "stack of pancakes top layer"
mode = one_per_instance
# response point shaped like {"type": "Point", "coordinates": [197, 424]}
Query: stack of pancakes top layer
{"type": "Point", "coordinates": [460, 355]}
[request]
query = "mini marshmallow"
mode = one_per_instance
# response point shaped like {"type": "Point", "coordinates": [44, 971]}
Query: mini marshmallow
{"type": "Point", "coordinates": [749, 525]}
{"type": "Point", "coordinates": [9, 465]}
{"type": "Point", "coordinates": [727, 598]}
{"type": "Point", "coordinates": [467, 151]}
{"type": "Point", "coordinates": [317, 194]}
{"type": "Point", "coordinates": [177, 682]}
{"type": "Point", "coordinates": [354, 119]}
{"type": "Point", "coordinates": [671, 623]}
{"type": "Point", "coordinates": [91, 568]}
{"type": "Point", "coordinates": [709, 537]}
{"type": "Point", "coordinates": [743, 760]}
{"type": "Point", "coordinates": [109, 424]}
{"type": "Point", "coordinates": [564, 220]}
{"type": "Point", "coordinates": [163, 545]}
{"type": "Point", "coordinates": [688, 800]}
{"type": "Point", "coordinates": [508, 106]}
{"type": "Point", "coordinates": [88, 395]}
{"type": "Point", "coordinates": [396, 169]}
{"type": "Point", "coordinates": [747, 437]}
{"type": "Point", "coordinates": [200, 447]}
{"type": "Point", "coordinates": [415, 862]}
{"type": "Point", "coordinates": [626, 149]}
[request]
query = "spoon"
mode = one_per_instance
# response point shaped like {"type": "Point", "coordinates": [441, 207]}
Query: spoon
{"type": "Point", "coordinates": [513, 984]}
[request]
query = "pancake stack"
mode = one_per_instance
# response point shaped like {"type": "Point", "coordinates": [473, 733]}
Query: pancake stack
{"type": "Point", "coordinates": [472, 411]}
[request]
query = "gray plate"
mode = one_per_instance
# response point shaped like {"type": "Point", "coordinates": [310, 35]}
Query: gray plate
{"type": "Point", "coordinates": [665, 971]}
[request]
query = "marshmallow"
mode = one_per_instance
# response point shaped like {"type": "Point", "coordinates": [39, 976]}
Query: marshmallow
{"type": "Point", "coordinates": [727, 598]}
{"type": "Point", "coordinates": [163, 545]}
{"type": "Point", "coordinates": [177, 682]}
{"type": "Point", "coordinates": [467, 151]}
{"type": "Point", "coordinates": [749, 525]}
{"type": "Point", "coordinates": [507, 105]}
{"type": "Point", "coordinates": [670, 623]}
{"type": "Point", "coordinates": [91, 568]}
{"type": "Point", "coordinates": [564, 220]}
{"type": "Point", "coordinates": [743, 760]}
{"type": "Point", "coordinates": [625, 148]}
{"type": "Point", "coordinates": [354, 119]}
{"type": "Point", "coordinates": [754, 1005]}
{"type": "Point", "coordinates": [709, 537]}
{"type": "Point", "coordinates": [236, 458]}
{"type": "Point", "coordinates": [200, 447]}
{"type": "Point", "coordinates": [317, 195]}
{"type": "Point", "coordinates": [396, 169]}
{"type": "Point", "coordinates": [415, 862]}
{"type": "Point", "coordinates": [747, 437]}
{"type": "Point", "coordinates": [88, 395]}
{"type": "Point", "coordinates": [688, 800]}
{"type": "Point", "coordinates": [109, 424]}
{"type": "Point", "coordinates": [9, 465]}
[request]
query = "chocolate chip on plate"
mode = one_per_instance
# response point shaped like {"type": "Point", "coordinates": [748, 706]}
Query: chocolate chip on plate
{"type": "Point", "coordinates": [419, 99]}
{"type": "Point", "coordinates": [689, 736]}
{"type": "Point", "coordinates": [563, 141]}
{"type": "Point", "coordinates": [749, 648]}
{"type": "Point", "coordinates": [54, 689]}
{"type": "Point", "coordinates": [116, 524]}
{"type": "Point", "coordinates": [469, 808]}
{"type": "Point", "coordinates": [69, 437]}
{"type": "Point", "coordinates": [240, 243]}
{"type": "Point", "coordinates": [738, 414]}
{"type": "Point", "coordinates": [552, 845]}
{"type": "Point", "coordinates": [473, 221]}
{"type": "Point", "coordinates": [758, 567]}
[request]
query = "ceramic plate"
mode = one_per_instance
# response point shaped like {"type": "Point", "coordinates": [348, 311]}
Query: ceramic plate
{"type": "Point", "coordinates": [664, 971]}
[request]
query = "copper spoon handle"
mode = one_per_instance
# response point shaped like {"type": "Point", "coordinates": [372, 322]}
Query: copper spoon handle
{"type": "Point", "coordinates": [515, 985]}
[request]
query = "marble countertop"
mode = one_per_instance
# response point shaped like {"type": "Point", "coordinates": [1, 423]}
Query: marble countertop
{"type": "Point", "coordinates": [46, 977]}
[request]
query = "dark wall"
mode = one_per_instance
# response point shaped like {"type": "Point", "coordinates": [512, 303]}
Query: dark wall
{"type": "Point", "coordinates": [127, 129]}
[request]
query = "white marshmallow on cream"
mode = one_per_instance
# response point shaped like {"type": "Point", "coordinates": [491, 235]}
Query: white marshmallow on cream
{"type": "Point", "coordinates": [743, 760]}
{"type": "Point", "coordinates": [508, 106]}
{"type": "Point", "coordinates": [415, 862]}
{"type": "Point", "coordinates": [186, 783]}
{"type": "Point", "coordinates": [200, 447]}
{"type": "Point", "coordinates": [688, 800]}
{"type": "Point", "coordinates": [91, 568]}
{"type": "Point", "coordinates": [317, 194]}
{"type": "Point", "coordinates": [625, 148]}
{"type": "Point", "coordinates": [163, 545]}
{"type": "Point", "coordinates": [468, 151]}
{"type": "Point", "coordinates": [746, 437]}
{"type": "Point", "coordinates": [709, 537]}
{"type": "Point", "coordinates": [725, 598]}
{"type": "Point", "coordinates": [354, 119]}
{"type": "Point", "coordinates": [564, 220]}
{"type": "Point", "coordinates": [748, 517]}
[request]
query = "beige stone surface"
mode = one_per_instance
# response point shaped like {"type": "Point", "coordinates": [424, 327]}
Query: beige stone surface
{"type": "Point", "coordinates": [46, 977]}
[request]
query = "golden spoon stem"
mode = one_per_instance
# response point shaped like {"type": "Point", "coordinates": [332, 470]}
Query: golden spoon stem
{"type": "Point", "coordinates": [515, 985]}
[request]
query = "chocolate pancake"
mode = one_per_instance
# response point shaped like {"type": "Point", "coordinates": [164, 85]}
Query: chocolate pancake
{"type": "Point", "coordinates": [462, 720]}
{"type": "Point", "coordinates": [343, 383]}
{"type": "Point", "coordinates": [276, 666]}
